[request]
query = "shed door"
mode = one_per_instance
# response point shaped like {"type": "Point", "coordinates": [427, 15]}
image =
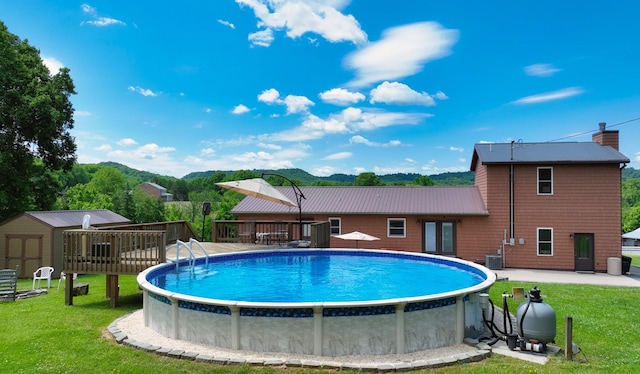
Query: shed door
{"type": "Point", "coordinates": [24, 251]}
{"type": "Point", "coordinates": [583, 248]}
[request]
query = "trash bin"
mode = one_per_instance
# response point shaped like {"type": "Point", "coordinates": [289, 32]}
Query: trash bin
{"type": "Point", "coordinates": [613, 266]}
{"type": "Point", "coordinates": [626, 264]}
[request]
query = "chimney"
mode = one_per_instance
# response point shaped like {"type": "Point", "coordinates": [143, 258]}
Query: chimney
{"type": "Point", "coordinates": [606, 137]}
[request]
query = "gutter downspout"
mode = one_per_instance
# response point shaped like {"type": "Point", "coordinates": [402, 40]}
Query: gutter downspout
{"type": "Point", "coordinates": [511, 205]}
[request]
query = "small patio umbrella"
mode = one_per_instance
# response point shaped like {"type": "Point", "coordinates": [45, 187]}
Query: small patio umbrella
{"type": "Point", "coordinates": [357, 235]}
{"type": "Point", "coordinates": [258, 187]}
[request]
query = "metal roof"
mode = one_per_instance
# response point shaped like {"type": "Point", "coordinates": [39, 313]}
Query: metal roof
{"type": "Point", "coordinates": [548, 153]}
{"type": "Point", "coordinates": [73, 218]}
{"type": "Point", "coordinates": [156, 186]}
{"type": "Point", "coordinates": [387, 200]}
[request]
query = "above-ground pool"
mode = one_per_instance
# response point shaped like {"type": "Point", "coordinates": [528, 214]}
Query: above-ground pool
{"type": "Point", "coordinates": [327, 302]}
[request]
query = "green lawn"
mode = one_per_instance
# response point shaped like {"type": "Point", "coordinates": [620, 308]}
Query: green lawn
{"type": "Point", "coordinates": [44, 335]}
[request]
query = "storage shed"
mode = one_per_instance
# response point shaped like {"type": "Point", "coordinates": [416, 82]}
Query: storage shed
{"type": "Point", "coordinates": [34, 239]}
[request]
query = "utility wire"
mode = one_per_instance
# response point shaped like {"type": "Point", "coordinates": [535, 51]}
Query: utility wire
{"type": "Point", "coordinates": [594, 131]}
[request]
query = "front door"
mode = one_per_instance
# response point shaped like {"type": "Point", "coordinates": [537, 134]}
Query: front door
{"type": "Point", "coordinates": [583, 249]}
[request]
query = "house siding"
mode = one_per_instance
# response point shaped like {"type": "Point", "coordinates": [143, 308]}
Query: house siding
{"type": "Point", "coordinates": [36, 236]}
{"type": "Point", "coordinates": [586, 199]}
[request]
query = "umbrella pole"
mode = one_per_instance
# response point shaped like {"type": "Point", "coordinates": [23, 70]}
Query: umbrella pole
{"type": "Point", "coordinates": [299, 197]}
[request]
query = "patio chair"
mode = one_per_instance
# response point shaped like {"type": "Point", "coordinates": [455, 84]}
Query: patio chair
{"type": "Point", "coordinates": [42, 273]}
{"type": "Point", "coordinates": [63, 277]}
{"type": "Point", "coordinates": [8, 284]}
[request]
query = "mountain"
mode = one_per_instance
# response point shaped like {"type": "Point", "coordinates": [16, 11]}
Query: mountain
{"type": "Point", "coordinates": [444, 179]}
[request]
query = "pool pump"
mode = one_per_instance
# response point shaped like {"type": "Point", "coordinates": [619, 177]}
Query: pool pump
{"type": "Point", "coordinates": [535, 320]}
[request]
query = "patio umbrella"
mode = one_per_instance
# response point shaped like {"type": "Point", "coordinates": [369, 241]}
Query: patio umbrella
{"type": "Point", "coordinates": [357, 235]}
{"type": "Point", "coordinates": [258, 187]}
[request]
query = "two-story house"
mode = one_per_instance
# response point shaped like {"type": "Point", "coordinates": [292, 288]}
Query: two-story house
{"type": "Point", "coordinates": [555, 205]}
{"type": "Point", "coordinates": [156, 190]}
{"type": "Point", "coordinates": [536, 205]}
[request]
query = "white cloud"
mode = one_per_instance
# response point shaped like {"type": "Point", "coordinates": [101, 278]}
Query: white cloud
{"type": "Point", "coordinates": [126, 142]}
{"type": "Point", "coordinates": [262, 38]}
{"type": "Point", "coordinates": [340, 96]}
{"type": "Point", "coordinates": [103, 148]}
{"type": "Point", "coordinates": [270, 96]}
{"type": "Point", "coordinates": [357, 139]}
{"type": "Point", "coordinates": [348, 120]}
{"type": "Point", "coordinates": [402, 51]}
{"type": "Point", "coordinates": [207, 110]}
{"type": "Point", "coordinates": [431, 168]}
{"type": "Point", "coordinates": [541, 70]}
{"type": "Point", "coordinates": [297, 104]}
{"type": "Point", "coordinates": [97, 20]}
{"type": "Point", "coordinates": [52, 64]}
{"type": "Point", "coordinates": [142, 91]}
{"type": "Point", "coordinates": [550, 96]}
{"type": "Point", "coordinates": [324, 171]}
{"type": "Point", "coordinates": [400, 94]}
{"type": "Point", "coordinates": [410, 160]}
{"type": "Point", "coordinates": [294, 103]}
{"type": "Point", "coordinates": [298, 17]}
{"type": "Point", "coordinates": [207, 152]}
{"type": "Point", "coordinates": [226, 23]}
{"type": "Point", "coordinates": [456, 149]}
{"type": "Point", "coordinates": [82, 113]}
{"type": "Point", "coordinates": [338, 156]}
{"type": "Point", "coordinates": [269, 146]}
{"type": "Point", "coordinates": [441, 96]}
{"type": "Point", "coordinates": [240, 109]}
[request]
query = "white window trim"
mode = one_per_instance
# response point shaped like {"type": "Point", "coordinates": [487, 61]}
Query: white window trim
{"type": "Point", "coordinates": [538, 241]}
{"type": "Point", "coordinates": [339, 225]}
{"type": "Point", "coordinates": [404, 227]}
{"type": "Point", "coordinates": [538, 180]}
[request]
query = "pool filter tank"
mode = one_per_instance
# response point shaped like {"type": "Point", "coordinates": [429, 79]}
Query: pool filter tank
{"type": "Point", "coordinates": [536, 320]}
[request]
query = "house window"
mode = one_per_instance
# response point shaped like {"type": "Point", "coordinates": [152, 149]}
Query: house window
{"type": "Point", "coordinates": [545, 241]}
{"type": "Point", "coordinates": [545, 181]}
{"type": "Point", "coordinates": [396, 227]}
{"type": "Point", "coordinates": [335, 226]}
{"type": "Point", "coordinates": [439, 237]}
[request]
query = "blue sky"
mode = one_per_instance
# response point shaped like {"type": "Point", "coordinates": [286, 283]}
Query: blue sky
{"type": "Point", "coordinates": [335, 86]}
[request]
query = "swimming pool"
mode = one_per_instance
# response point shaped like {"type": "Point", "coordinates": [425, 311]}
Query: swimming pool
{"type": "Point", "coordinates": [321, 301]}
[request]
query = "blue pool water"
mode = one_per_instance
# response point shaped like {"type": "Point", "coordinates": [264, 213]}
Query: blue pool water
{"type": "Point", "coordinates": [317, 276]}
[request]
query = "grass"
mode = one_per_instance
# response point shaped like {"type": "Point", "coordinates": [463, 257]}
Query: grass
{"type": "Point", "coordinates": [44, 335]}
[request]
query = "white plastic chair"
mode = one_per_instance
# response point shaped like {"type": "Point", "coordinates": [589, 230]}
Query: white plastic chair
{"type": "Point", "coordinates": [63, 277]}
{"type": "Point", "coordinates": [42, 273]}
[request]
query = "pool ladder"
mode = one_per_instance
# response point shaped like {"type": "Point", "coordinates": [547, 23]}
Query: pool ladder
{"type": "Point", "coordinates": [189, 247]}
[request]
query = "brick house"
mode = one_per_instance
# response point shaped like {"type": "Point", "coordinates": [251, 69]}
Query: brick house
{"type": "Point", "coordinates": [535, 205]}
{"type": "Point", "coordinates": [156, 190]}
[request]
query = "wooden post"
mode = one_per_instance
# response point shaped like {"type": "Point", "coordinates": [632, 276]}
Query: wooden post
{"type": "Point", "coordinates": [568, 338]}
{"type": "Point", "coordinates": [112, 289]}
{"type": "Point", "coordinates": [68, 290]}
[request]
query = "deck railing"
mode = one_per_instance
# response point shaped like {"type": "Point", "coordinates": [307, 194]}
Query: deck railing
{"type": "Point", "coordinates": [269, 232]}
{"type": "Point", "coordinates": [175, 230]}
{"type": "Point", "coordinates": [112, 251]}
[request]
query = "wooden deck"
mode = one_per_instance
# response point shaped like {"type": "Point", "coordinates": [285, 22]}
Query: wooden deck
{"type": "Point", "coordinates": [129, 250]}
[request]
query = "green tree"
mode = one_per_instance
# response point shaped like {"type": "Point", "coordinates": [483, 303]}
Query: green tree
{"type": "Point", "coordinates": [368, 179]}
{"type": "Point", "coordinates": [109, 181]}
{"type": "Point", "coordinates": [147, 208]}
{"type": "Point", "coordinates": [423, 180]}
{"type": "Point", "coordinates": [85, 196]}
{"type": "Point", "coordinates": [630, 193]}
{"type": "Point", "coordinates": [35, 118]}
{"type": "Point", "coordinates": [631, 219]}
